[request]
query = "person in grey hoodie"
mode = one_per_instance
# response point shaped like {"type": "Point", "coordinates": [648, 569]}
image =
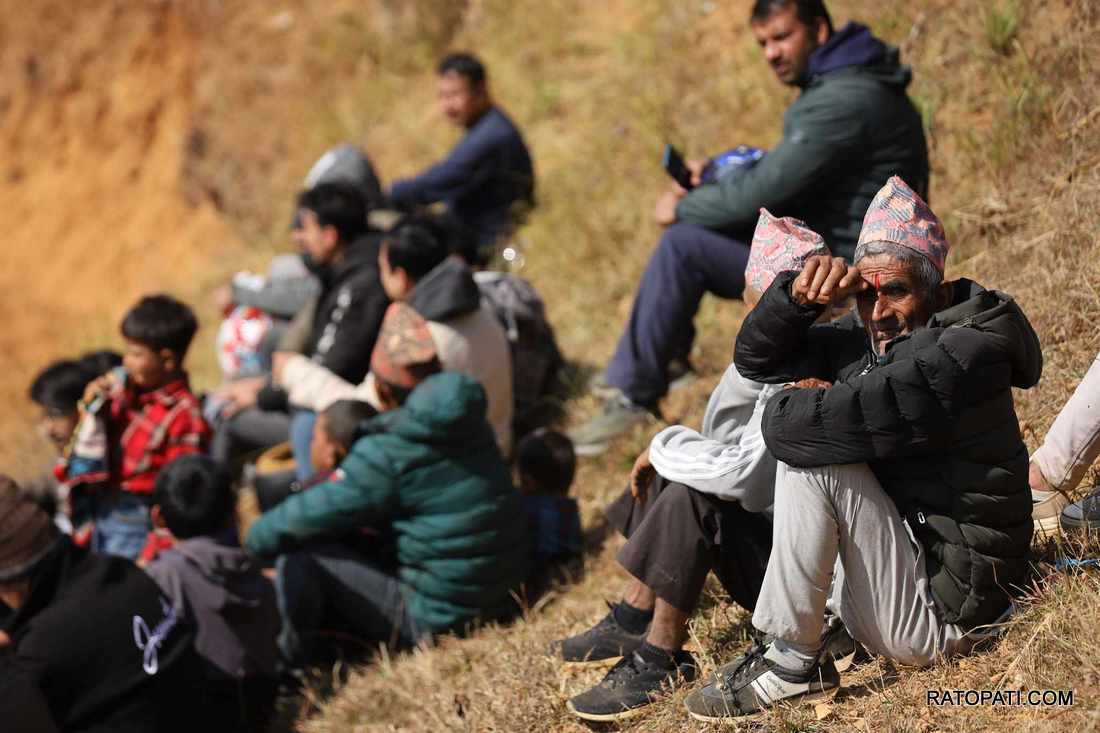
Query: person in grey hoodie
{"type": "Point", "coordinates": [696, 504]}
{"type": "Point", "coordinates": [219, 588]}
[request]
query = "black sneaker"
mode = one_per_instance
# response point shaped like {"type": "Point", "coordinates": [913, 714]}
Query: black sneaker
{"type": "Point", "coordinates": [1083, 515]}
{"type": "Point", "coordinates": [839, 646]}
{"type": "Point", "coordinates": [630, 686]}
{"type": "Point", "coordinates": [605, 641]}
{"type": "Point", "coordinates": [754, 683]}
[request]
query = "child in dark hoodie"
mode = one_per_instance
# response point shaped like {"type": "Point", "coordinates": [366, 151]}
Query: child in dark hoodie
{"type": "Point", "coordinates": [545, 467]}
{"type": "Point", "coordinates": [219, 588]}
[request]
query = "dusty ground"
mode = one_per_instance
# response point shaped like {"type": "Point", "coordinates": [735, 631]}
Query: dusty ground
{"type": "Point", "coordinates": [155, 145]}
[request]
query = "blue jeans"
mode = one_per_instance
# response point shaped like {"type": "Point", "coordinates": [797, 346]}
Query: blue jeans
{"type": "Point", "coordinates": [339, 580]}
{"type": "Point", "coordinates": [301, 440]}
{"type": "Point", "coordinates": [122, 524]}
{"type": "Point", "coordinates": [688, 261]}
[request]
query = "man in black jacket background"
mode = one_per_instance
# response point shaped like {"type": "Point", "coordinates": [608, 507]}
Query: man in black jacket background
{"type": "Point", "coordinates": [336, 330]}
{"type": "Point", "coordinates": [87, 642]}
{"type": "Point", "coordinates": [902, 479]}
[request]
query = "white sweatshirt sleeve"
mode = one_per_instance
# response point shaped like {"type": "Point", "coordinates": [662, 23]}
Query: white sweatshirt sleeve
{"type": "Point", "coordinates": [1073, 442]}
{"type": "Point", "coordinates": [731, 460]}
{"type": "Point", "coordinates": [313, 387]}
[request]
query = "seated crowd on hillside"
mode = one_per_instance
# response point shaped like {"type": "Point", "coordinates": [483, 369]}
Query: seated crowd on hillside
{"type": "Point", "coordinates": [858, 482]}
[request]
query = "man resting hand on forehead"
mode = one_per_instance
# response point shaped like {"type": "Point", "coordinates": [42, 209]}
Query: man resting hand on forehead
{"type": "Point", "coordinates": [901, 495]}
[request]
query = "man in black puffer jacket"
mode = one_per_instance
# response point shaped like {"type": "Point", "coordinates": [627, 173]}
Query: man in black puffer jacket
{"type": "Point", "coordinates": [903, 477]}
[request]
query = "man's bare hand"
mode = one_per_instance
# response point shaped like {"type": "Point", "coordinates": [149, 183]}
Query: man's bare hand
{"type": "Point", "coordinates": [1036, 478]}
{"type": "Point", "coordinates": [664, 213]}
{"type": "Point", "coordinates": [640, 476]}
{"type": "Point", "coordinates": [809, 383]}
{"type": "Point", "coordinates": [696, 167]}
{"type": "Point", "coordinates": [5, 640]}
{"type": "Point", "coordinates": [278, 364]}
{"type": "Point", "coordinates": [825, 280]}
{"type": "Point", "coordinates": [240, 395]}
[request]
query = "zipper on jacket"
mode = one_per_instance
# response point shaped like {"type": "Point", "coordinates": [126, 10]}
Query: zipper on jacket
{"type": "Point", "coordinates": [920, 517]}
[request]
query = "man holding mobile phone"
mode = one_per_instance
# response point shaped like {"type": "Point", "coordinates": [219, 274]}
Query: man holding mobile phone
{"type": "Point", "coordinates": [850, 129]}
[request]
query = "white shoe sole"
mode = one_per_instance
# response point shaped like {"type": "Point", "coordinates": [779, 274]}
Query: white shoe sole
{"type": "Point", "coordinates": [607, 717]}
{"type": "Point", "coordinates": [589, 450]}
{"type": "Point", "coordinates": [1048, 526]}
{"type": "Point", "coordinates": [593, 664]}
{"type": "Point", "coordinates": [808, 697]}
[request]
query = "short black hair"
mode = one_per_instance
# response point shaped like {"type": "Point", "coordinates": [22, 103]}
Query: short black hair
{"type": "Point", "coordinates": [809, 11]}
{"type": "Point", "coordinates": [464, 64]}
{"type": "Point", "coordinates": [417, 245]}
{"type": "Point", "coordinates": [342, 420]}
{"type": "Point", "coordinates": [195, 496]}
{"type": "Point", "coordinates": [61, 385]}
{"type": "Point", "coordinates": [546, 457]}
{"type": "Point", "coordinates": [161, 322]}
{"type": "Point", "coordinates": [338, 205]}
{"type": "Point", "coordinates": [102, 361]}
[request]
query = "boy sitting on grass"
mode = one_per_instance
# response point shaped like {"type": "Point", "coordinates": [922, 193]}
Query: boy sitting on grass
{"type": "Point", "coordinates": [148, 417]}
{"type": "Point", "coordinates": [218, 587]}
{"type": "Point", "coordinates": [545, 466]}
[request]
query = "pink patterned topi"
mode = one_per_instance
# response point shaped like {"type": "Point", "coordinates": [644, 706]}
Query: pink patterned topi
{"type": "Point", "coordinates": [900, 216]}
{"type": "Point", "coordinates": [780, 245]}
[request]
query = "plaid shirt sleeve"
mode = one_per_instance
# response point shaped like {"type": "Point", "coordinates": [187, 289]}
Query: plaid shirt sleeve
{"type": "Point", "coordinates": [158, 436]}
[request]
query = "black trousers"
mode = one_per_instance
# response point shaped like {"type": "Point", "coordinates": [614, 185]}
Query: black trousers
{"type": "Point", "coordinates": [678, 535]}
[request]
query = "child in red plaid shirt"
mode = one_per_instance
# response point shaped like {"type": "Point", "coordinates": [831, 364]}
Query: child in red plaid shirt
{"type": "Point", "coordinates": [149, 416]}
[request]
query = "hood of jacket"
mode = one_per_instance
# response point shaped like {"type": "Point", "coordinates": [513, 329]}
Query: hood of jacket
{"type": "Point", "coordinates": [997, 314]}
{"type": "Point", "coordinates": [445, 407]}
{"type": "Point", "coordinates": [855, 47]}
{"type": "Point", "coordinates": [229, 575]}
{"type": "Point", "coordinates": [446, 292]}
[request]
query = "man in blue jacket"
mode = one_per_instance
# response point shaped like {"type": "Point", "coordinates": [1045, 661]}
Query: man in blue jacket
{"type": "Point", "coordinates": [850, 129]}
{"type": "Point", "coordinates": [488, 176]}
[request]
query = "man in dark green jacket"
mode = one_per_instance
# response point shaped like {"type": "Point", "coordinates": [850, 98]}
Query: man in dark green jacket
{"type": "Point", "coordinates": [902, 488]}
{"type": "Point", "coordinates": [426, 476]}
{"type": "Point", "coordinates": [850, 129]}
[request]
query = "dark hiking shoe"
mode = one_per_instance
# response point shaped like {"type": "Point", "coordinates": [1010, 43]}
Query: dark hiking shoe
{"type": "Point", "coordinates": [1083, 515]}
{"type": "Point", "coordinates": [630, 686]}
{"type": "Point", "coordinates": [839, 646]}
{"type": "Point", "coordinates": [619, 415]}
{"type": "Point", "coordinates": [753, 683]}
{"type": "Point", "coordinates": [606, 640]}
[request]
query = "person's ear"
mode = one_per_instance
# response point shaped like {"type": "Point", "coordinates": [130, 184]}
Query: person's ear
{"type": "Point", "coordinates": [168, 360]}
{"type": "Point", "coordinates": [331, 236]}
{"type": "Point", "coordinates": [944, 294]}
{"type": "Point", "coordinates": [157, 517]}
{"type": "Point", "coordinates": [822, 32]}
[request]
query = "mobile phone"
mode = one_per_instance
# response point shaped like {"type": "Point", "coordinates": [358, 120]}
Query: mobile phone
{"type": "Point", "coordinates": [676, 168]}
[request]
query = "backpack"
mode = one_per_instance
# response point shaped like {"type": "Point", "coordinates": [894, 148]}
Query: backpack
{"type": "Point", "coordinates": [535, 354]}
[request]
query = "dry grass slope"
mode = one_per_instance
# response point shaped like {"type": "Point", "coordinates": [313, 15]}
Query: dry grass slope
{"type": "Point", "coordinates": [174, 131]}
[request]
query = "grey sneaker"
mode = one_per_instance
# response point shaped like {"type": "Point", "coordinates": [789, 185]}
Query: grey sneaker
{"type": "Point", "coordinates": [754, 683]}
{"type": "Point", "coordinates": [1084, 515]}
{"type": "Point", "coordinates": [619, 415]}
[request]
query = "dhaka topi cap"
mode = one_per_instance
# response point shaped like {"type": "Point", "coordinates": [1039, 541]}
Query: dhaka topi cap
{"type": "Point", "coordinates": [899, 215]}
{"type": "Point", "coordinates": [780, 245]}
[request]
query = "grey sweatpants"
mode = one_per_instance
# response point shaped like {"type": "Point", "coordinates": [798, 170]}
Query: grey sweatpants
{"type": "Point", "coordinates": [838, 518]}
